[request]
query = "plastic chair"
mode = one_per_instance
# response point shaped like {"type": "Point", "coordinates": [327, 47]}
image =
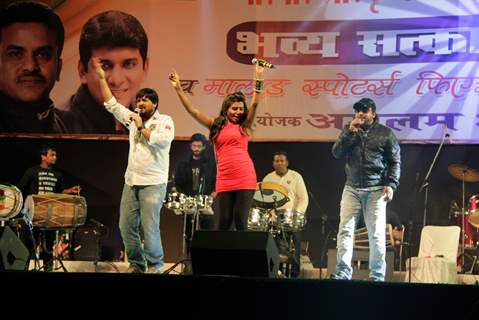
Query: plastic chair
{"type": "Point", "coordinates": [436, 260]}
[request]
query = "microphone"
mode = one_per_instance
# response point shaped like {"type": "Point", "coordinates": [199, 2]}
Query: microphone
{"type": "Point", "coordinates": [262, 63]}
{"type": "Point", "coordinates": [447, 135]}
{"type": "Point", "coordinates": [137, 110]}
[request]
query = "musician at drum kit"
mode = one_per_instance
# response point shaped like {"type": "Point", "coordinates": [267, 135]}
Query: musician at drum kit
{"type": "Point", "coordinates": [44, 179]}
{"type": "Point", "coordinates": [195, 176]}
{"type": "Point", "coordinates": [230, 132]}
{"type": "Point", "coordinates": [293, 211]}
{"type": "Point", "coordinates": [146, 176]}
{"type": "Point", "coordinates": [373, 160]}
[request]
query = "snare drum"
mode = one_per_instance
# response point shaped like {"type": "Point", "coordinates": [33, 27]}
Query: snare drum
{"type": "Point", "coordinates": [291, 220]}
{"type": "Point", "coordinates": [56, 210]}
{"type": "Point", "coordinates": [11, 201]}
{"type": "Point", "coordinates": [258, 219]}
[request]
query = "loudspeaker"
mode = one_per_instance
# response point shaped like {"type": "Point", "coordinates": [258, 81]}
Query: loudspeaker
{"type": "Point", "coordinates": [14, 254]}
{"type": "Point", "coordinates": [239, 253]}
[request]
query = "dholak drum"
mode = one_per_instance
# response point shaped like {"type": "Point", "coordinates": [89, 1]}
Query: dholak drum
{"type": "Point", "coordinates": [11, 201]}
{"type": "Point", "coordinates": [291, 220]}
{"type": "Point", "coordinates": [52, 211]}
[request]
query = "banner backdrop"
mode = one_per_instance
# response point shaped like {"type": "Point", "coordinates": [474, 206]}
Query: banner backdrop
{"type": "Point", "coordinates": [418, 60]}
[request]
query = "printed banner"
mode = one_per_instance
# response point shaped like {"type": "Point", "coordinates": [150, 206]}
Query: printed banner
{"type": "Point", "coordinates": [418, 60]}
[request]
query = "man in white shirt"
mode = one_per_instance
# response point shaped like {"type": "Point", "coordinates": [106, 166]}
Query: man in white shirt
{"type": "Point", "coordinates": [146, 177]}
{"type": "Point", "coordinates": [298, 203]}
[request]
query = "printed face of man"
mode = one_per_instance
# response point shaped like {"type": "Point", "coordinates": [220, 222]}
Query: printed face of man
{"type": "Point", "coordinates": [29, 63]}
{"type": "Point", "coordinates": [124, 70]}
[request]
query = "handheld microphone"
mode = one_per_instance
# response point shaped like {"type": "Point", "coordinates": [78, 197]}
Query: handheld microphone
{"type": "Point", "coordinates": [262, 63]}
{"type": "Point", "coordinates": [137, 110]}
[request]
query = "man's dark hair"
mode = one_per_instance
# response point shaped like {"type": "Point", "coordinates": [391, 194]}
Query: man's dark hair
{"type": "Point", "coordinates": [280, 153]}
{"type": "Point", "coordinates": [28, 11]}
{"type": "Point", "coordinates": [199, 137]}
{"type": "Point", "coordinates": [44, 149]}
{"type": "Point", "coordinates": [149, 93]}
{"type": "Point", "coordinates": [112, 29]}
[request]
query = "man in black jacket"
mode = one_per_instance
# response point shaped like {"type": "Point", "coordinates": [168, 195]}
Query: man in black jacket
{"type": "Point", "coordinates": [373, 162]}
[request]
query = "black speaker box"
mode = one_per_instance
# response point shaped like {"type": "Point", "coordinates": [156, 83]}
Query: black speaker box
{"type": "Point", "coordinates": [239, 253]}
{"type": "Point", "coordinates": [14, 254]}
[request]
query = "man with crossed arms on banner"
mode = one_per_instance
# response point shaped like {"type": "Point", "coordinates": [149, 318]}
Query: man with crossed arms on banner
{"type": "Point", "coordinates": [298, 200]}
{"type": "Point", "coordinates": [146, 176]}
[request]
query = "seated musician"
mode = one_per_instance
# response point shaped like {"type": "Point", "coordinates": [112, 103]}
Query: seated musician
{"type": "Point", "coordinates": [44, 179]}
{"type": "Point", "coordinates": [298, 196]}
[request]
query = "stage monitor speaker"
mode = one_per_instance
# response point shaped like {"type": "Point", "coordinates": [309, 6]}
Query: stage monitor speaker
{"type": "Point", "coordinates": [239, 253]}
{"type": "Point", "coordinates": [14, 254]}
{"type": "Point", "coordinates": [86, 244]}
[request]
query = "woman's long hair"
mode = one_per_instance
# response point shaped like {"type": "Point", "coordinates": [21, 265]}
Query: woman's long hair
{"type": "Point", "coordinates": [220, 121]}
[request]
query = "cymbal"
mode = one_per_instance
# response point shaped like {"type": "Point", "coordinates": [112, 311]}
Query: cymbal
{"type": "Point", "coordinates": [463, 172]}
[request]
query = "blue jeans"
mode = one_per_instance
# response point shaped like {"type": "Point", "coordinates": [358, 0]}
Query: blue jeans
{"type": "Point", "coordinates": [142, 204]}
{"type": "Point", "coordinates": [370, 202]}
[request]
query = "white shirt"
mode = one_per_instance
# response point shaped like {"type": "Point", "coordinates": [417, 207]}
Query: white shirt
{"type": "Point", "coordinates": [148, 161]}
{"type": "Point", "coordinates": [294, 183]}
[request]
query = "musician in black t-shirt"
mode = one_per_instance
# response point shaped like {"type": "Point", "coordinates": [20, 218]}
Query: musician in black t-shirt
{"type": "Point", "coordinates": [44, 179]}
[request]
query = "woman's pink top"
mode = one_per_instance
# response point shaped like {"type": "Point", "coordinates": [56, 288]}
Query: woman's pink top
{"type": "Point", "coordinates": [235, 167]}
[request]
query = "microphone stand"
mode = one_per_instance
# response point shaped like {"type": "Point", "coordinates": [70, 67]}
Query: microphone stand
{"type": "Point", "coordinates": [324, 219]}
{"type": "Point", "coordinates": [425, 183]}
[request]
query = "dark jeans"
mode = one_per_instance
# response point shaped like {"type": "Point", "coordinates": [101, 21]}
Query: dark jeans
{"type": "Point", "coordinates": [234, 206]}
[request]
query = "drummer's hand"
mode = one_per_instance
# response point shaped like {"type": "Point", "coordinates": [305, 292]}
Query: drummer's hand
{"type": "Point", "coordinates": [72, 190]}
{"type": "Point", "coordinates": [213, 194]}
{"type": "Point", "coordinates": [388, 193]}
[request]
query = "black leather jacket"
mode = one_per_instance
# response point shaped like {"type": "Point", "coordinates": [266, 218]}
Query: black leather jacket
{"type": "Point", "coordinates": [373, 158]}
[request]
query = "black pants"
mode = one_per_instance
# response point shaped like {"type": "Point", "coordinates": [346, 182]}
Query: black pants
{"type": "Point", "coordinates": [234, 206]}
{"type": "Point", "coordinates": [45, 239]}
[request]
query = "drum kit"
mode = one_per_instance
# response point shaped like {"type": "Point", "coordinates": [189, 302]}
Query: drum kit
{"type": "Point", "coordinates": [46, 211]}
{"type": "Point", "coordinates": [466, 218]}
{"type": "Point", "coordinates": [265, 215]}
{"type": "Point", "coordinates": [189, 206]}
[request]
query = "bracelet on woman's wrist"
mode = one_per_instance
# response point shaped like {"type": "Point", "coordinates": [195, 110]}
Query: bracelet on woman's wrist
{"type": "Point", "coordinates": [259, 85]}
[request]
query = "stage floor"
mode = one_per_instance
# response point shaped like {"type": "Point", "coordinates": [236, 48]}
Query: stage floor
{"type": "Point", "coordinates": [306, 273]}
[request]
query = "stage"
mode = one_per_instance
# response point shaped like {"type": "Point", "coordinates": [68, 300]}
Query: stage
{"type": "Point", "coordinates": [245, 297]}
